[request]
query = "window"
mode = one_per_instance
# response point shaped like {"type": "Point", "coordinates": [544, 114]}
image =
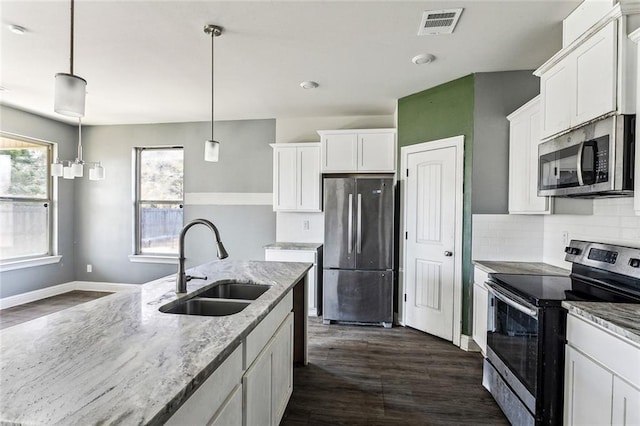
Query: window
{"type": "Point", "coordinates": [25, 198]}
{"type": "Point", "coordinates": [158, 200]}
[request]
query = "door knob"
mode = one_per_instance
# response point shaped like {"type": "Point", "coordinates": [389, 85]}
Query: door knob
{"type": "Point", "coordinates": [448, 253]}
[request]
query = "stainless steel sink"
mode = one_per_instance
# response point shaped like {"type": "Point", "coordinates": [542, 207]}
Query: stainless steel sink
{"type": "Point", "coordinates": [235, 290]}
{"type": "Point", "coordinates": [205, 307]}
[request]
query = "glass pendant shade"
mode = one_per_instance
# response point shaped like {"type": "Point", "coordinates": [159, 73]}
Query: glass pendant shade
{"type": "Point", "coordinates": [77, 168]}
{"type": "Point", "coordinates": [70, 93]}
{"type": "Point", "coordinates": [67, 171]}
{"type": "Point", "coordinates": [96, 172]}
{"type": "Point", "coordinates": [211, 150]}
{"type": "Point", "coordinates": [57, 168]}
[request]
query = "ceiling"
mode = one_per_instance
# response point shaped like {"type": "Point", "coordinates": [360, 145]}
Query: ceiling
{"type": "Point", "coordinates": [150, 61]}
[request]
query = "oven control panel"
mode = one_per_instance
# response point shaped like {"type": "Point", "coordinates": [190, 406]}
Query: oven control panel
{"type": "Point", "coordinates": [609, 257]}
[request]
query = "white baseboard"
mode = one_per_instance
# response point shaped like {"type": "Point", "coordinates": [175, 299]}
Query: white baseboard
{"type": "Point", "coordinates": [54, 290]}
{"type": "Point", "coordinates": [468, 344]}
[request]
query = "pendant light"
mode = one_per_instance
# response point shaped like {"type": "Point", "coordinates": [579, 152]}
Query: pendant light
{"type": "Point", "coordinates": [70, 90]}
{"type": "Point", "coordinates": [212, 146]}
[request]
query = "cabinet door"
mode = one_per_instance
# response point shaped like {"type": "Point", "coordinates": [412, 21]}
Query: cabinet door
{"type": "Point", "coordinates": [282, 369]}
{"type": "Point", "coordinates": [284, 178]}
{"type": "Point", "coordinates": [311, 288]}
{"type": "Point", "coordinates": [626, 403]}
{"type": "Point", "coordinates": [340, 152]}
{"type": "Point", "coordinates": [595, 75]}
{"type": "Point", "coordinates": [480, 300]}
{"type": "Point", "coordinates": [376, 152]}
{"type": "Point", "coordinates": [308, 173]}
{"type": "Point", "coordinates": [256, 385]}
{"type": "Point", "coordinates": [230, 414]}
{"type": "Point", "coordinates": [524, 136]}
{"type": "Point", "coordinates": [557, 88]}
{"type": "Point", "coordinates": [588, 391]}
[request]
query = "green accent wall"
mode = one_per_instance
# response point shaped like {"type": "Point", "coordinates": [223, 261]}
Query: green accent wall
{"type": "Point", "coordinates": [437, 113]}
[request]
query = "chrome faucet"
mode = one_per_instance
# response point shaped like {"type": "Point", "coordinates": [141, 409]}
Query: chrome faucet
{"type": "Point", "coordinates": [182, 278]}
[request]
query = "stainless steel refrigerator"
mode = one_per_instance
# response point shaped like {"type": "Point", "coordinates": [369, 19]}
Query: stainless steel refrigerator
{"type": "Point", "coordinates": [358, 249]}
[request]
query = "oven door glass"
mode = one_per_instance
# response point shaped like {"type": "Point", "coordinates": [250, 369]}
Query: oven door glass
{"type": "Point", "coordinates": [513, 336]}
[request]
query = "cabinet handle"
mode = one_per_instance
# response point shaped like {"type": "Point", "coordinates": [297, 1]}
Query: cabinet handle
{"type": "Point", "coordinates": [350, 225]}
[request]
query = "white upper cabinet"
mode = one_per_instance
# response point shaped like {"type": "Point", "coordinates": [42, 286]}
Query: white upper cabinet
{"type": "Point", "coordinates": [524, 137]}
{"type": "Point", "coordinates": [296, 177]}
{"type": "Point", "coordinates": [594, 75]}
{"type": "Point", "coordinates": [363, 150]}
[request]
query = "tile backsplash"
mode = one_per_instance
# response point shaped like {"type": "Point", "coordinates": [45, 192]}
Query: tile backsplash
{"type": "Point", "coordinates": [543, 238]}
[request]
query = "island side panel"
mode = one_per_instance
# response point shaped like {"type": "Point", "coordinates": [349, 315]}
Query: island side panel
{"type": "Point", "coordinates": [300, 309]}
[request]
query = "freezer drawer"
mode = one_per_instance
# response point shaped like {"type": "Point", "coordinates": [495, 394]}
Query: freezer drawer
{"type": "Point", "coordinates": [358, 296]}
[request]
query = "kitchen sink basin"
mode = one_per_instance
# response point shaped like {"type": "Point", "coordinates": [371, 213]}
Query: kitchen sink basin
{"type": "Point", "coordinates": [205, 307]}
{"type": "Point", "coordinates": [235, 290]}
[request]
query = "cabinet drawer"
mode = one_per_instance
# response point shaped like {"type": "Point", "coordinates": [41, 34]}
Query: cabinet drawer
{"type": "Point", "coordinates": [621, 357]}
{"type": "Point", "coordinates": [290, 256]}
{"type": "Point", "coordinates": [258, 338]}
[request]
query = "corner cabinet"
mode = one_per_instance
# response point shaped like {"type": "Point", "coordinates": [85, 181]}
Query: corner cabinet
{"type": "Point", "coordinates": [296, 177]}
{"type": "Point", "coordinates": [524, 137]}
{"type": "Point", "coordinates": [589, 78]}
{"type": "Point", "coordinates": [358, 150]}
{"type": "Point", "coordinates": [602, 378]}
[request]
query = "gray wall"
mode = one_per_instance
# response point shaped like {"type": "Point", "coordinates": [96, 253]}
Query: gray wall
{"type": "Point", "coordinates": [496, 95]}
{"type": "Point", "coordinates": [105, 210]}
{"type": "Point", "coordinates": [95, 219]}
{"type": "Point", "coordinates": [29, 279]}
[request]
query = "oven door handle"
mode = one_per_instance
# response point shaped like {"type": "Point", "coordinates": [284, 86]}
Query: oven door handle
{"type": "Point", "coordinates": [530, 310]}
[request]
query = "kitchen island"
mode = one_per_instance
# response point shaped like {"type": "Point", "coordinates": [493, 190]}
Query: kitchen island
{"type": "Point", "coordinates": [119, 360]}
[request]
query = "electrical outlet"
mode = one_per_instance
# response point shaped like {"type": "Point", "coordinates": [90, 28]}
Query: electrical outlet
{"type": "Point", "coordinates": [565, 238]}
{"type": "Point", "coordinates": [89, 267]}
{"type": "Point", "coordinates": [305, 225]}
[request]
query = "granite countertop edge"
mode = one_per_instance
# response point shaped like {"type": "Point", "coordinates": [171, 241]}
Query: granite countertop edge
{"type": "Point", "coordinates": [283, 245]}
{"type": "Point", "coordinates": [138, 365]}
{"type": "Point", "coordinates": [516, 267]}
{"type": "Point", "coordinates": [621, 319]}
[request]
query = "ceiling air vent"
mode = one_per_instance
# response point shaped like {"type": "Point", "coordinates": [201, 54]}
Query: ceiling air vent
{"type": "Point", "coordinates": [439, 21]}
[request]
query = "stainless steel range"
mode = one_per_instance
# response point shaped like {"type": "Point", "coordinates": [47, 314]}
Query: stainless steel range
{"type": "Point", "coordinates": [524, 368]}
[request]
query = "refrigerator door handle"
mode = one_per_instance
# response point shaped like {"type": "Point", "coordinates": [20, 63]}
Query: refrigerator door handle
{"type": "Point", "coordinates": [359, 237]}
{"type": "Point", "coordinates": [350, 225]}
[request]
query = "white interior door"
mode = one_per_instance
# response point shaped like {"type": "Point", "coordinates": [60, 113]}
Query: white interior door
{"type": "Point", "coordinates": [433, 222]}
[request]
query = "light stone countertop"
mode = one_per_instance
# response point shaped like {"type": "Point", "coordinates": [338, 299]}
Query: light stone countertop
{"type": "Point", "coordinates": [528, 268]}
{"type": "Point", "coordinates": [622, 319]}
{"type": "Point", "coordinates": [293, 246]}
{"type": "Point", "coordinates": [118, 360]}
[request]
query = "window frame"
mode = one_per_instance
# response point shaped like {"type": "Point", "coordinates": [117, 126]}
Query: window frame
{"type": "Point", "coordinates": [138, 255]}
{"type": "Point", "coordinates": [51, 199]}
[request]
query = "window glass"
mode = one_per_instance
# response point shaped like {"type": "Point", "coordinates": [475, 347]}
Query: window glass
{"type": "Point", "coordinates": [159, 202]}
{"type": "Point", "coordinates": [25, 198]}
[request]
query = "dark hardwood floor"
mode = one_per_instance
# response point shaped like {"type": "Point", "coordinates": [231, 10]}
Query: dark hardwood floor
{"type": "Point", "coordinates": [362, 375]}
{"type": "Point", "coordinates": [28, 311]}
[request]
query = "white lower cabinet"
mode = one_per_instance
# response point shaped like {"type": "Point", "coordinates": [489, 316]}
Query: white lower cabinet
{"type": "Point", "coordinates": [602, 377]}
{"type": "Point", "coordinates": [253, 385]}
{"type": "Point", "coordinates": [314, 276]}
{"type": "Point", "coordinates": [480, 300]}
{"type": "Point", "coordinates": [268, 383]}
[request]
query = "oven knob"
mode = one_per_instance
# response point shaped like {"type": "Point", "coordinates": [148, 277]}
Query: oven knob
{"type": "Point", "coordinates": [572, 250]}
{"type": "Point", "coordinates": [634, 263]}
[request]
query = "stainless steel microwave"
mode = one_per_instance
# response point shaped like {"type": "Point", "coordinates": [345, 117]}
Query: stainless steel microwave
{"type": "Point", "coordinates": [596, 160]}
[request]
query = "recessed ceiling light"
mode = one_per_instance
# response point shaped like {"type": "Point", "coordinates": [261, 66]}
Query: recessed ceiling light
{"type": "Point", "coordinates": [17, 29]}
{"type": "Point", "coordinates": [309, 84]}
{"type": "Point", "coordinates": [423, 58]}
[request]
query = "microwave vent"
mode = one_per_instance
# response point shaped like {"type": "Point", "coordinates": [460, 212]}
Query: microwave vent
{"type": "Point", "coordinates": [439, 21]}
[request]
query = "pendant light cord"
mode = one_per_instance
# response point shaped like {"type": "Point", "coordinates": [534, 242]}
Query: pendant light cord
{"type": "Point", "coordinates": [71, 41]}
{"type": "Point", "coordinates": [212, 82]}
